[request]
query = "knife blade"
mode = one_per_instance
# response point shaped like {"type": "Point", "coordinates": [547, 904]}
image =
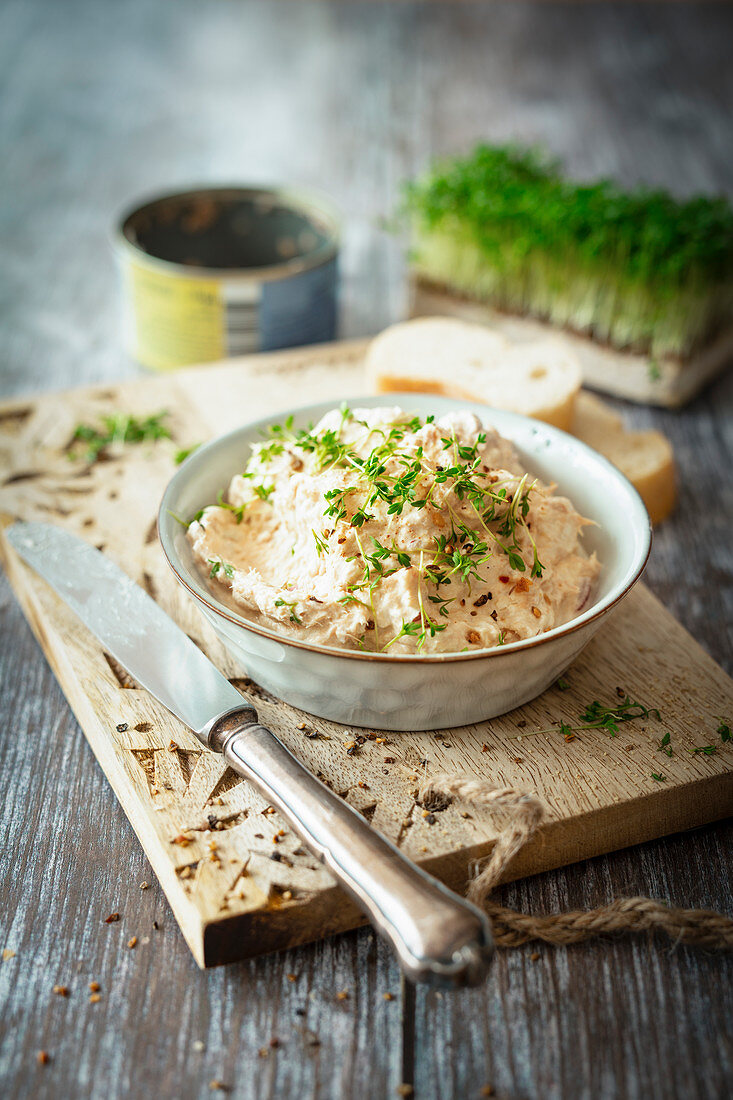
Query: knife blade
{"type": "Point", "coordinates": [438, 936]}
{"type": "Point", "coordinates": [134, 629]}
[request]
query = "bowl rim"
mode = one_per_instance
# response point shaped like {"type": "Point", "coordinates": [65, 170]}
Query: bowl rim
{"type": "Point", "coordinates": [596, 611]}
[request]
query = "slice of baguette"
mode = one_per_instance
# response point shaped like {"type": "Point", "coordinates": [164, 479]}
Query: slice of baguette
{"type": "Point", "coordinates": [445, 356]}
{"type": "Point", "coordinates": [458, 359]}
{"type": "Point", "coordinates": [645, 457]}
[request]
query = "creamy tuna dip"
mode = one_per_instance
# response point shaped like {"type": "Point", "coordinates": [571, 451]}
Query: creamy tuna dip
{"type": "Point", "coordinates": [390, 533]}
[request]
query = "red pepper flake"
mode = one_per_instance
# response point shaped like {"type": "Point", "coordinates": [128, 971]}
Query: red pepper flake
{"type": "Point", "coordinates": [504, 579]}
{"type": "Point", "coordinates": [94, 987]}
{"type": "Point", "coordinates": [484, 748]}
{"type": "Point", "coordinates": [112, 918]}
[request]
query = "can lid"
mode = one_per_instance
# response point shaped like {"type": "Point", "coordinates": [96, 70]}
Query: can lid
{"type": "Point", "coordinates": [231, 233]}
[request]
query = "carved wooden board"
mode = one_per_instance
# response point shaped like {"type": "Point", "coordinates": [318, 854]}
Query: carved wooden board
{"type": "Point", "coordinates": [207, 834]}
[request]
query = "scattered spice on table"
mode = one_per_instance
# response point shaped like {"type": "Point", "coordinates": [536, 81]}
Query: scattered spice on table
{"type": "Point", "coordinates": [94, 987]}
{"type": "Point", "coordinates": [132, 942]}
{"type": "Point", "coordinates": [112, 918]}
{"type": "Point", "coordinates": [61, 990]}
{"type": "Point", "coordinates": [43, 1057]}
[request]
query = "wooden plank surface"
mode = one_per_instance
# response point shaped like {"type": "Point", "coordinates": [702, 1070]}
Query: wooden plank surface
{"type": "Point", "coordinates": [101, 104]}
{"type": "Point", "coordinates": [210, 837]}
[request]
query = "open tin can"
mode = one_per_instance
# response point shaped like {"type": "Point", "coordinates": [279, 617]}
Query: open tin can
{"type": "Point", "coordinates": [222, 271]}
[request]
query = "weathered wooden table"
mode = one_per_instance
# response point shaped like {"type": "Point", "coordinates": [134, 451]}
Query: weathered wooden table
{"type": "Point", "coordinates": [104, 102]}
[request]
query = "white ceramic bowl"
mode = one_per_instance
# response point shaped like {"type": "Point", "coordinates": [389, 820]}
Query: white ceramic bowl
{"type": "Point", "coordinates": [437, 690]}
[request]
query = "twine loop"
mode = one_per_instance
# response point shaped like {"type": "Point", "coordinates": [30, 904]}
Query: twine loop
{"type": "Point", "coordinates": [525, 814]}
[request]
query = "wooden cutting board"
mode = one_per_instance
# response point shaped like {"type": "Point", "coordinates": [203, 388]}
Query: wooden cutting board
{"type": "Point", "coordinates": [208, 835]}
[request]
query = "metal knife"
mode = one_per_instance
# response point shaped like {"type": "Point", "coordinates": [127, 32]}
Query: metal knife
{"type": "Point", "coordinates": [438, 936]}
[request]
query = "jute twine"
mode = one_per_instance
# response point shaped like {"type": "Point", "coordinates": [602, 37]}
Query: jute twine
{"type": "Point", "coordinates": [525, 813]}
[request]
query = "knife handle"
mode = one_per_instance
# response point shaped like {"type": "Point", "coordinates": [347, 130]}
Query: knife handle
{"type": "Point", "coordinates": [438, 936]}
